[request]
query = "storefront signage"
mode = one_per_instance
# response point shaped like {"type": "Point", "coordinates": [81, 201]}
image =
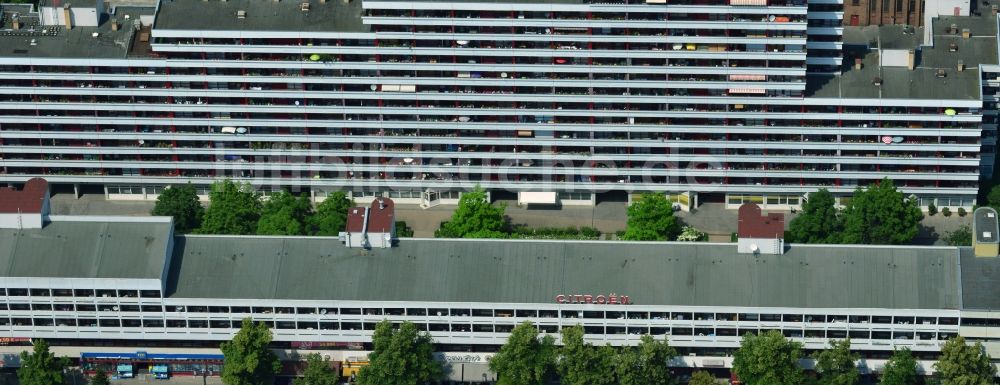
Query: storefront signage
{"type": "Point", "coordinates": [463, 357]}
{"type": "Point", "coordinates": [601, 299]}
{"type": "Point", "coordinates": [14, 340]}
{"type": "Point", "coordinates": [325, 344]}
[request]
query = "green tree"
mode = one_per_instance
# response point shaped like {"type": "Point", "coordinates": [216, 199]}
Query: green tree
{"type": "Point", "coordinates": [993, 198]}
{"type": "Point", "coordinates": [646, 364]}
{"type": "Point", "coordinates": [836, 365]}
{"type": "Point", "coordinates": [691, 234]}
{"type": "Point", "coordinates": [41, 367]}
{"type": "Point", "coordinates": [962, 236]}
{"type": "Point", "coordinates": [180, 202]}
{"type": "Point", "coordinates": [246, 358]}
{"type": "Point", "coordinates": [900, 369]}
{"type": "Point", "coordinates": [317, 372]}
{"type": "Point", "coordinates": [818, 221]}
{"type": "Point", "coordinates": [651, 218]}
{"type": "Point", "coordinates": [100, 378]}
{"type": "Point", "coordinates": [475, 217]}
{"type": "Point", "coordinates": [963, 364]}
{"type": "Point", "coordinates": [702, 377]}
{"type": "Point", "coordinates": [284, 214]}
{"type": "Point", "coordinates": [331, 215]}
{"type": "Point", "coordinates": [879, 215]}
{"type": "Point", "coordinates": [525, 359]}
{"type": "Point", "coordinates": [580, 363]}
{"type": "Point", "coordinates": [768, 359]}
{"type": "Point", "coordinates": [234, 208]}
{"type": "Point", "coordinates": [403, 356]}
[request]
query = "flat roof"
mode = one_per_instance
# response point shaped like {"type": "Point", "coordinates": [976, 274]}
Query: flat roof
{"type": "Point", "coordinates": [87, 247]}
{"type": "Point", "coordinates": [39, 41]}
{"type": "Point", "coordinates": [980, 281]}
{"type": "Point", "coordinates": [261, 15]}
{"type": "Point", "coordinates": [505, 271]}
{"type": "Point", "coordinates": [923, 81]}
{"type": "Point", "coordinates": [986, 225]}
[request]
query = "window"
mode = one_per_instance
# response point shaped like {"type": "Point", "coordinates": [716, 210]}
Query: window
{"type": "Point", "coordinates": [856, 2]}
{"type": "Point", "coordinates": [899, 5]}
{"type": "Point", "coordinates": [885, 5]}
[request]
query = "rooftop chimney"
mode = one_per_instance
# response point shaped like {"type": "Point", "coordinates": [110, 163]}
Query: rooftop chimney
{"type": "Point", "coordinates": [857, 63]}
{"type": "Point", "coordinates": [960, 66]}
{"type": "Point", "coordinates": [68, 15]}
{"type": "Point", "coordinates": [911, 60]}
{"type": "Point", "coordinates": [15, 22]}
{"type": "Point", "coordinates": [114, 24]}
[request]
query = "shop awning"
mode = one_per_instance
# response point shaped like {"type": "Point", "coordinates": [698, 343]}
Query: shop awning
{"type": "Point", "coordinates": [748, 2]}
{"type": "Point", "coordinates": [747, 77]}
{"type": "Point", "coordinates": [536, 197]}
{"type": "Point", "coordinates": [758, 91]}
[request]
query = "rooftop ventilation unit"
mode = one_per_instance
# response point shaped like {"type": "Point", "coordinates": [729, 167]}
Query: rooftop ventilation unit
{"type": "Point", "coordinates": [241, 14]}
{"type": "Point", "coordinates": [941, 73]}
{"type": "Point", "coordinates": [952, 47]}
{"type": "Point", "coordinates": [877, 81]}
{"type": "Point", "coordinates": [304, 7]}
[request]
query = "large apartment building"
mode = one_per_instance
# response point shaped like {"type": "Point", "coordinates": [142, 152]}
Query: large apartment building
{"type": "Point", "coordinates": [705, 100]}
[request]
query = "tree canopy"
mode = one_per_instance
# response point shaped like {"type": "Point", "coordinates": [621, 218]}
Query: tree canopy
{"type": "Point", "coordinates": [475, 217]}
{"type": "Point", "coordinates": [900, 369]}
{"type": "Point", "coordinates": [880, 214]}
{"type": "Point", "coordinates": [41, 367]}
{"type": "Point", "coordinates": [331, 215]}
{"type": "Point", "coordinates": [964, 364]}
{"type": "Point", "coordinates": [993, 198]}
{"type": "Point", "coordinates": [581, 363]}
{"type": "Point", "coordinates": [180, 202]}
{"type": "Point", "coordinates": [246, 358]}
{"type": "Point", "coordinates": [646, 364]}
{"type": "Point", "coordinates": [100, 378]}
{"type": "Point", "coordinates": [651, 218]}
{"type": "Point", "coordinates": [962, 236]}
{"type": "Point", "coordinates": [818, 221]}
{"type": "Point", "coordinates": [836, 365]}
{"type": "Point", "coordinates": [768, 359]}
{"type": "Point", "coordinates": [524, 359]}
{"type": "Point", "coordinates": [403, 356]}
{"type": "Point", "coordinates": [234, 208]}
{"type": "Point", "coordinates": [317, 372]}
{"type": "Point", "coordinates": [702, 377]}
{"type": "Point", "coordinates": [284, 214]}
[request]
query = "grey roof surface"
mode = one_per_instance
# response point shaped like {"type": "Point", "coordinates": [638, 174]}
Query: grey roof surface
{"type": "Point", "coordinates": [537, 271]}
{"type": "Point", "coordinates": [922, 82]}
{"type": "Point", "coordinates": [79, 42]}
{"type": "Point", "coordinates": [261, 15]}
{"type": "Point", "coordinates": [986, 221]}
{"type": "Point", "coordinates": [980, 281]}
{"type": "Point", "coordinates": [85, 249]}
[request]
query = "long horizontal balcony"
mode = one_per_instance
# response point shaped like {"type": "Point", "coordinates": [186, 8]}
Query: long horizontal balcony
{"type": "Point", "coordinates": [581, 97]}
{"type": "Point", "coordinates": [633, 143]}
{"type": "Point", "coordinates": [596, 8]}
{"type": "Point", "coordinates": [432, 83]}
{"type": "Point", "coordinates": [292, 70]}
{"type": "Point", "coordinates": [637, 170]}
{"type": "Point", "coordinates": [107, 133]}
{"type": "Point", "coordinates": [440, 185]}
{"type": "Point", "coordinates": [518, 156]}
{"type": "Point", "coordinates": [586, 38]}
{"type": "Point", "coordinates": [567, 23]}
{"type": "Point", "coordinates": [44, 107]}
{"type": "Point", "coordinates": [485, 52]}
